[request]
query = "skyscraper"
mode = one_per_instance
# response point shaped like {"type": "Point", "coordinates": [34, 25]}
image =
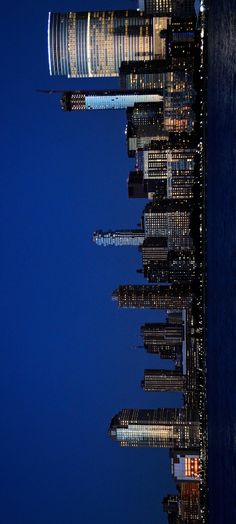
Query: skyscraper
{"type": "Point", "coordinates": [168, 7]}
{"type": "Point", "coordinates": [110, 99]}
{"type": "Point", "coordinates": [169, 218]}
{"type": "Point", "coordinates": [174, 165]}
{"type": "Point", "coordinates": [153, 297]}
{"type": "Point", "coordinates": [158, 380]}
{"type": "Point", "coordinates": [164, 336]}
{"type": "Point", "coordinates": [164, 427]}
{"type": "Point", "coordinates": [132, 237]}
{"type": "Point", "coordinates": [166, 265]}
{"type": "Point", "coordinates": [90, 44]}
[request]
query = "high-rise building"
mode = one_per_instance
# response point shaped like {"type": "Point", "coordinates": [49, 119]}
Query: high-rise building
{"type": "Point", "coordinates": [94, 44]}
{"type": "Point", "coordinates": [150, 135]}
{"type": "Point", "coordinates": [173, 165]}
{"type": "Point", "coordinates": [181, 43]}
{"type": "Point", "coordinates": [132, 237]}
{"type": "Point", "coordinates": [164, 338]}
{"type": "Point", "coordinates": [169, 218]}
{"type": "Point", "coordinates": [177, 296]}
{"type": "Point", "coordinates": [144, 119]}
{"type": "Point", "coordinates": [164, 427]}
{"type": "Point", "coordinates": [183, 8]}
{"type": "Point", "coordinates": [150, 74]}
{"type": "Point", "coordinates": [185, 465]}
{"type": "Point", "coordinates": [110, 99]}
{"type": "Point", "coordinates": [189, 502]}
{"type": "Point", "coordinates": [166, 265]}
{"type": "Point", "coordinates": [158, 380]}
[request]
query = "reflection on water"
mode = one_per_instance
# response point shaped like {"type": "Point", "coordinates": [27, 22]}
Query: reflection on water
{"type": "Point", "coordinates": [222, 261]}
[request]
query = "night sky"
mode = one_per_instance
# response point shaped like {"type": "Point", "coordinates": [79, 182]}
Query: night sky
{"type": "Point", "coordinates": [68, 359]}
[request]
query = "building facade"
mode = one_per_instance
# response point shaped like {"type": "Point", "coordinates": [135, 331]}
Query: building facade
{"type": "Point", "coordinates": [177, 296]}
{"type": "Point", "coordinates": [169, 218]}
{"type": "Point", "coordinates": [132, 237]}
{"type": "Point", "coordinates": [162, 380]}
{"type": "Point", "coordinates": [110, 99]}
{"type": "Point", "coordinates": [94, 44]}
{"type": "Point", "coordinates": [164, 427]}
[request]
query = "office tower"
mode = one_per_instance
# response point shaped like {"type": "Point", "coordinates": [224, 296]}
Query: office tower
{"type": "Point", "coordinates": [185, 465]}
{"type": "Point", "coordinates": [163, 338]}
{"type": "Point", "coordinates": [160, 75]}
{"type": "Point", "coordinates": [136, 186]}
{"type": "Point", "coordinates": [145, 119]}
{"type": "Point", "coordinates": [164, 171]}
{"type": "Point", "coordinates": [110, 99]}
{"type": "Point", "coordinates": [189, 502]}
{"type": "Point", "coordinates": [136, 142]}
{"type": "Point", "coordinates": [94, 44]}
{"type": "Point", "coordinates": [164, 427]}
{"type": "Point", "coordinates": [179, 116]}
{"type": "Point", "coordinates": [181, 43]}
{"type": "Point", "coordinates": [169, 266]}
{"type": "Point", "coordinates": [169, 218]}
{"type": "Point", "coordinates": [177, 296]}
{"type": "Point", "coordinates": [133, 237]}
{"type": "Point", "coordinates": [183, 8]}
{"type": "Point", "coordinates": [150, 74]}
{"type": "Point", "coordinates": [158, 380]}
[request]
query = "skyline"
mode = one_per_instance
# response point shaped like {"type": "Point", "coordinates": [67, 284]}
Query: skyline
{"type": "Point", "coordinates": [50, 347]}
{"type": "Point", "coordinates": [44, 195]}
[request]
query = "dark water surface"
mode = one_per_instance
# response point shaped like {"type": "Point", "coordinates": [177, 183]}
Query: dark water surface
{"type": "Point", "coordinates": [222, 261]}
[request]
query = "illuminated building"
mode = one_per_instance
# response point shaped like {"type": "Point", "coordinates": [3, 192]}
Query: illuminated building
{"type": "Point", "coordinates": [163, 427]}
{"type": "Point", "coordinates": [169, 218]}
{"type": "Point", "coordinates": [94, 44]}
{"type": "Point", "coordinates": [153, 134]}
{"type": "Point", "coordinates": [165, 338]}
{"type": "Point", "coordinates": [111, 99]}
{"type": "Point", "coordinates": [158, 380]}
{"type": "Point", "coordinates": [181, 38]}
{"type": "Point", "coordinates": [177, 296]}
{"type": "Point", "coordinates": [133, 237]}
{"type": "Point", "coordinates": [185, 466]}
{"type": "Point", "coordinates": [145, 119]}
{"type": "Point", "coordinates": [165, 172]}
{"type": "Point", "coordinates": [179, 266]}
{"type": "Point", "coordinates": [163, 265]}
{"type": "Point", "coordinates": [189, 502]}
{"type": "Point", "coordinates": [168, 7]}
{"type": "Point", "coordinates": [152, 74]}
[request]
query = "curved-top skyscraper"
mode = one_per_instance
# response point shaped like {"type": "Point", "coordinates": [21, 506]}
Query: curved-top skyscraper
{"type": "Point", "coordinates": [94, 44]}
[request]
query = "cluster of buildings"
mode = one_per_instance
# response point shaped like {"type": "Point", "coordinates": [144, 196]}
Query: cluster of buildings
{"type": "Point", "coordinates": [154, 51]}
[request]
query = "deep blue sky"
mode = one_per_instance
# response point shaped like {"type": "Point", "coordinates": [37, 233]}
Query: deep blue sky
{"type": "Point", "coordinates": [67, 360]}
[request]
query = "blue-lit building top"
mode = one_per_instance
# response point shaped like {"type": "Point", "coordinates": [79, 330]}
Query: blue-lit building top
{"type": "Point", "coordinates": [113, 99]}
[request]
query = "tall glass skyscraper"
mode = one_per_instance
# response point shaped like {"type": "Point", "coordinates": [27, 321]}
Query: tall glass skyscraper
{"type": "Point", "coordinates": [163, 427]}
{"type": "Point", "coordinates": [111, 99]}
{"type": "Point", "coordinates": [91, 44]}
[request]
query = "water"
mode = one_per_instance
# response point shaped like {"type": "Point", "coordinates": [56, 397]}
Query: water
{"type": "Point", "coordinates": [222, 261]}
